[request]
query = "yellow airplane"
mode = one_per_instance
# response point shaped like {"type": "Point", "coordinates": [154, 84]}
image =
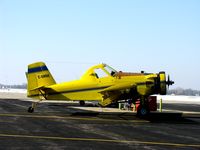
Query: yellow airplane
{"type": "Point", "coordinates": [100, 83]}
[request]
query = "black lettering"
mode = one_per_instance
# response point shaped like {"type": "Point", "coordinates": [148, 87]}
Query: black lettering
{"type": "Point", "coordinates": [43, 76]}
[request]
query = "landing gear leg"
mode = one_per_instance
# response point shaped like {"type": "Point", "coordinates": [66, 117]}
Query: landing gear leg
{"type": "Point", "coordinates": [143, 110]}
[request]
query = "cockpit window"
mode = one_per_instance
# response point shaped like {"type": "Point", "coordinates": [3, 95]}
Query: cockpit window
{"type": "Point", "coordinates": [110, 70]}
{"type": "Point", "coordinates": [100, 73]}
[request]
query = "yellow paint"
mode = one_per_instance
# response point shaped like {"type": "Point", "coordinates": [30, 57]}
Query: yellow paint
{"type": "Point", "coordinates": [161, 105]}
{"type": "Point", "coordinates": [105, 88]}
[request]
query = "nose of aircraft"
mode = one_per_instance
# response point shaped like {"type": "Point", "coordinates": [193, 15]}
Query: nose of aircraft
{"type": "Point", "coordinates": [163, 83]}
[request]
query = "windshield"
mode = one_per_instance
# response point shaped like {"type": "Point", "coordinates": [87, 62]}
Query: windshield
{"type": "Point", "coordinates": [110, 70]}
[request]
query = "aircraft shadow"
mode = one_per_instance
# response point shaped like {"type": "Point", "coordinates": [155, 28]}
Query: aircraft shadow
{"type": "Point", "coordinates": [154, 117]}
{"type": "Point", "coordinates": [67, 110]}
{"type": "Point", "coordinates": [174, 118]}
{"type": "Point", "coordinates": [169, 118]}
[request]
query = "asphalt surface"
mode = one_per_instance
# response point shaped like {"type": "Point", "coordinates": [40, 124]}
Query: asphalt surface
{"type": "Point", "coordinates": [60, 126]}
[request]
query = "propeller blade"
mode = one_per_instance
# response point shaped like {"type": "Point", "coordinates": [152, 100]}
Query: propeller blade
{"type": "Point", "coordinates": [169, 82]}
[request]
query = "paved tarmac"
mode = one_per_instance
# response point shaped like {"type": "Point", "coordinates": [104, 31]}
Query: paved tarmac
{"type": "Point", "coordinates": [61, 126]}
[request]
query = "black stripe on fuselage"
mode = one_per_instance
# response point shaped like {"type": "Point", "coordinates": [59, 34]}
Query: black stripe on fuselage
{"type": "Point", "coordinates": [72, 91]}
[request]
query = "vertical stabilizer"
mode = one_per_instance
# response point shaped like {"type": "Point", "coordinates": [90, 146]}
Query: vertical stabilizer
{"type": "Point", "coordinates": [38, 76]}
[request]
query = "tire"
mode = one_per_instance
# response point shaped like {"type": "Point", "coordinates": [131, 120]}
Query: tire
{"type": "Point", "coordinates": [30, 109]}
{"type": "Point", "coordinates": [82, 103]}
{"type": "Point", "coordinates": [143, 111]}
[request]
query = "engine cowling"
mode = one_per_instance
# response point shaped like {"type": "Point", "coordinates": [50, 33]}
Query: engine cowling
{"type": "Point", "coordinates": [161, 83]}
{"type": "Point", "coordinates": [163, 88]}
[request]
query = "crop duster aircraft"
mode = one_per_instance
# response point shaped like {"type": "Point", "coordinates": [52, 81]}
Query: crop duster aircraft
{"type": "Point", "coordinates": [100, 83]}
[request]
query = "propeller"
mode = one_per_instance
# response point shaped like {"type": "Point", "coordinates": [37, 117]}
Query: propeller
{"type": "Point", "coordinates": [169, 82]}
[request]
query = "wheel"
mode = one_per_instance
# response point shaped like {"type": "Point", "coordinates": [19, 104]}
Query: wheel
{"type": "Point", "coordinates": [82, 103]}
{"type": "Point", "coordinates": [30, 109]}
{"type": "Point", "coordinates": [143, 111]}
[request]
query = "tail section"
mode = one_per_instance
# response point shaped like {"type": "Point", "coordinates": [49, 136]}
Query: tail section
{"type": "Point", "coordinates": [38, 77]}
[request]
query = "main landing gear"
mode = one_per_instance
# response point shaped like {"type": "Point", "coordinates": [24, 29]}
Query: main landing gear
{"type": "Point", "coordinates": [143, 109]}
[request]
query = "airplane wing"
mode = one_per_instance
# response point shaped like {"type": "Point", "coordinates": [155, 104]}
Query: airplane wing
{"type": "Point", "coordinates": [111, 93]}
{"type": "Point", "coordinates": [121, 86]}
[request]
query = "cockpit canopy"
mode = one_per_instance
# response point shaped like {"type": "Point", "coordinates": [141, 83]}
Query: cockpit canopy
{"type": "Point", "coordinates": [100, 71]}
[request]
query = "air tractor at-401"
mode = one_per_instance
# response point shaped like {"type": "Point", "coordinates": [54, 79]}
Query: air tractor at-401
{"type": "Point", "coordinates": [100, 83]}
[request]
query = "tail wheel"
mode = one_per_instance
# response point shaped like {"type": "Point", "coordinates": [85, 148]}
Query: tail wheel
{"type": "Point", "coordinates": [30, 109]}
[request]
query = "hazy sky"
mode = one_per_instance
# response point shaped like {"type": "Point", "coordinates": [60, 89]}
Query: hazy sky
{"type": "Point", "coordinates": [129, 35]}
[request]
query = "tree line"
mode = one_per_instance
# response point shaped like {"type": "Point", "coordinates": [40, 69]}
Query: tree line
{"type": "Point", "coordinates": [181, 91]}
{"type": "Point", "coordinates": [20, 86]}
